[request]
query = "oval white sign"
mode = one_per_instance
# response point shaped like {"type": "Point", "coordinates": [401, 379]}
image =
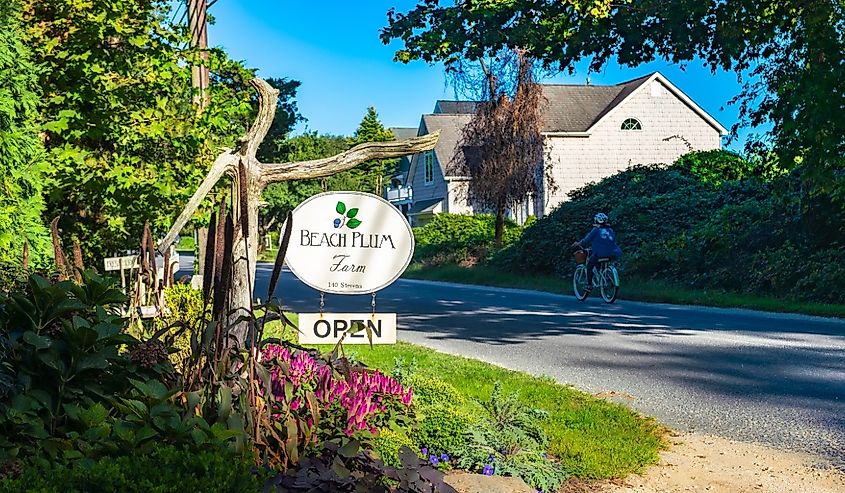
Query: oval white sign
{"type": "Point", "coordinates": [349, 243]}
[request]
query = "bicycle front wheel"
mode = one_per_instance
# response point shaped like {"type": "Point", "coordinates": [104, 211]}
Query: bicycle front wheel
{"type": "Point", "coordinates": [579, 282]}
{"type": "Point", "coordinates": [609, 284]}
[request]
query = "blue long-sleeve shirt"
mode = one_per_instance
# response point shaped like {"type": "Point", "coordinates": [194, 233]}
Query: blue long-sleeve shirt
{"type": "Point", "coordinates": [603, 241]}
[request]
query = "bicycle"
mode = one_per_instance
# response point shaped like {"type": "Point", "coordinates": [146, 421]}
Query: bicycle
{"type": "Point", "coordinates": [605, 277]}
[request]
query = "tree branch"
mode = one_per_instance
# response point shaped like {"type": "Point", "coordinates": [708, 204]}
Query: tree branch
{"type": "Point", "coordinates": [267, 98]}
{"type": "Point", "coordinates": [226, 161]}
{"type": "Point", "coordinates": [316, 168]}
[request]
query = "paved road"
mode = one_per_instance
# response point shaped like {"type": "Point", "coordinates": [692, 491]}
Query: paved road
{"type": "Point", "coordinates": [774, 379]}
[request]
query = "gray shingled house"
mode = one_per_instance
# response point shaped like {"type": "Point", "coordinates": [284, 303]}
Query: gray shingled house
{"type": "Point", "coordinates": [591, 132]}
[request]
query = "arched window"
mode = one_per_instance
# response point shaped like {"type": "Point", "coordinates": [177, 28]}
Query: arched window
{"type": "Point", "coordinates": [632, 124]}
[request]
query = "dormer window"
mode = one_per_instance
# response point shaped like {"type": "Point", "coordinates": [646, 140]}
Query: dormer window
{"type": "Point", "coordinates": [632, 124]}
{"type": "Point", "coordinates": [428, 160]}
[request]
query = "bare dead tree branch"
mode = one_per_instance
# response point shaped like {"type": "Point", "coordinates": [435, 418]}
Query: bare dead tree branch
{"type": "Point", "coordinates": [271, 173]}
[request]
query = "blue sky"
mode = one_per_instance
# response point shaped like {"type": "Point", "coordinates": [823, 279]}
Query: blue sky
{"type": "Point", "coordinates": [333, 48]}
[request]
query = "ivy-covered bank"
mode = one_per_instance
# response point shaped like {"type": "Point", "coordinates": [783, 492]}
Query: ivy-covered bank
{"type": "Point", "coordinates": [712, 228]}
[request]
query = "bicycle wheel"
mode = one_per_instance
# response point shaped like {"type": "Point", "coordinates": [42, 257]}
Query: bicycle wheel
{"type": "Point", "coordinates": [579, 282]}
{"type": "Point", "coordinates": [609, 284]}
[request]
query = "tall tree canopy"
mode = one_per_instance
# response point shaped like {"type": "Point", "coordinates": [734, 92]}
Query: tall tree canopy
{"type": "Point", "coordinates": [21, 153]}
{"type": "Point", "coordinates": [370, 176]}
{"type": "Point", "coordinates": [281, 198]}
{"type": "Point", "coordinates": [125, 143]}
{"type": "Point", "coordinates": [790, 53]}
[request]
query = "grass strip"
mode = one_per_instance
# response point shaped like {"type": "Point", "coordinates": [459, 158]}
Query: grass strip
{"type": "Point", "coordinates": [595, 438]}
{"type": "Point", "coordinates": [632, 289]}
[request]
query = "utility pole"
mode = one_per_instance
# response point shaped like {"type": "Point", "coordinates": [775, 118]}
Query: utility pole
{"type": "Point", "coordinates": [198, 27]}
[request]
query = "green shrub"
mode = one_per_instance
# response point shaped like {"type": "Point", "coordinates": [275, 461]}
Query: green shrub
{"type": "Point", "coordinates": [452, 238]}
{"type": "Point", "coordinates": [717, 166]}
{"type": "Point", "coordinates": [388, 443]}
{"type": "Point", "coordinates": [508, 440]}
{"type": "Point", "coordinates": [708, 221]}
{"type": "Point", "coordinates": [431, 391]}
{"type": "Point", "coordinates": [76, 386]}
{"type": "Point", "coordinates": [442, 428]}
{"type": "Point", "coordinates": [185, 313]}
{"type": "Point", "coordinates": [164, 469]}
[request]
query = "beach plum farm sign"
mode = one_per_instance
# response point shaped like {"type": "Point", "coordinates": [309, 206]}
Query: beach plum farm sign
{"type": "Point", "coordinates": [349, 243]}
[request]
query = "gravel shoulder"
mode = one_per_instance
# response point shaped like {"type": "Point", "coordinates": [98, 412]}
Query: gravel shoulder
{"type": "Point", "coordinates": [704, 463]}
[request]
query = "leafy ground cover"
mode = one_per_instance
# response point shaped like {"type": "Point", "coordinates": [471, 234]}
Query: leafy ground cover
{"type": "Point", "coordinates": [593, 438]}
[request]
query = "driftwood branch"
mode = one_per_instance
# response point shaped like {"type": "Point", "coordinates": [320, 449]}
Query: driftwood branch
{"type": "Point", "coordinates": [267, 98]}
{"type": "Point", "coordinates": [225, 162]}
{"type": "Point", "coordinates": [271, 173]}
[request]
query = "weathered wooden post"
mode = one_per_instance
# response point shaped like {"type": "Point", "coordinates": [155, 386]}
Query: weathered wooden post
{"type": "Point", "coordinates": [242, 165]}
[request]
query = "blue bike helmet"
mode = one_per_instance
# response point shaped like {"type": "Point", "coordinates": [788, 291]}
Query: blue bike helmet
{"type": "Point", "coordinates": [600, 218]}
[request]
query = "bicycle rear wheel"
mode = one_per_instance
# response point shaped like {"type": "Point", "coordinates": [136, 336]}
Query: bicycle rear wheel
{"type": "Point", "coordinates": [609, 284]}
{"type": "Point", "coordinates": [579, 282]}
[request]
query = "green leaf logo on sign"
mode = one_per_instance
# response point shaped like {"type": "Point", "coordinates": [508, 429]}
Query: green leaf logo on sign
{"type": "Point", "coordinates": [347, 220]}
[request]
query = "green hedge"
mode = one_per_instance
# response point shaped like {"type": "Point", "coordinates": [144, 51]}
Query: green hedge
{"type": "Point", "coordinates": [708, 221]}
{"type": "Point", "coordinates": [164, 470]}
{"type": "Point", "coordinates": [457, 237]}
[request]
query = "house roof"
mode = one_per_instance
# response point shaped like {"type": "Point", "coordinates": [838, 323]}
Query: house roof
{"type": "Point", "coordinates": [450, 126]}
{"type": "Point", "coordinates": [578, 107]}
{"type": "Point", "coordinates": [402, 133]}
{"type": "Point", "coordinates": [443, 106]}
{"type": "Point", "coordinates": [424, 206]}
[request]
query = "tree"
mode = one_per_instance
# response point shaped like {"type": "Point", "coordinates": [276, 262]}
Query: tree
{"type": "Point", "coordinates": [251, 178]}
{"type": "Point", "coordinates": [287, 116]}
{"type": "Point", "coordinates": [503, 143]}
{"type": "Point", "coordinates": [370, 176]}
{"type": "Point", "coordinates": [791, 55]}
{"type": "Point", "coordinates": [281, 198]}
{"type": "Point", "coordinates": [123, 137]}
{"type": "Point", "coordinates": [21, 152]}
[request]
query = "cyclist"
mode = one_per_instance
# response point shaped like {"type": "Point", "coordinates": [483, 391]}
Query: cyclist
{"type": "Point", "coordinates": [603, 240]}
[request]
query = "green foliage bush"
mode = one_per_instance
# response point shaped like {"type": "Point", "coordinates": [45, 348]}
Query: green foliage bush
{"type": "Point", "coordinates": [442, 428]}
{"type": "Point", "coordinates": [451, 238]}
{"type": "Point", "coordinates": [21, 153]}
{"type": "Point", "coordinates": [163, 469]}
{"type": "Point", "coordinates": [75, 385]}
{"type": "Point", "coordinates": [431, 391]}
{"type": "Point", "coordinates": [185, 314]}
{"type": "Point", "coordinates": [388, 443]}
{"type": "Point", "coordinates": [708, 221]}
{"type": "Point", "coordinates": [508, 440]}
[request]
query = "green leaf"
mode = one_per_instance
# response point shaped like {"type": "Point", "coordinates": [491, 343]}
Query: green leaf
{"type": "Point", "coordinates": [349, 449]}
{"type": "Point", "coordinates": [341, 207]}
{"type": "Point", "coordinates": [352, 213]}
{"type": "Point", "coordinates": [40, 342]}
{"type": "Point", "coordinates": [145, 433]}
{"type": "Point", "coordinates": [353, 223]}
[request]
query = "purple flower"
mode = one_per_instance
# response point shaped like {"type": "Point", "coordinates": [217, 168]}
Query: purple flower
{"type": "Point", "coordinates": [434, 460]}
{"type": "Point", "coordinates": [444, 457]}
{"type": "Point", "coordinates": [488, 470]}
{"type": "Point", "coordinates": [424, 451]}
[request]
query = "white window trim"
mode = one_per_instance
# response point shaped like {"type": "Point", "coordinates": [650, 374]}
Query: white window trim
{"type": "Point", "coordinates": [639, 122]}
{"type": "Point", "coordinates": [428, 165]}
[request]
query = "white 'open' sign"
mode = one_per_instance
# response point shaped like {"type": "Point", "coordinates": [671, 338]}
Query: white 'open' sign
{"type": "Point", "coordinates": [328, 328]}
